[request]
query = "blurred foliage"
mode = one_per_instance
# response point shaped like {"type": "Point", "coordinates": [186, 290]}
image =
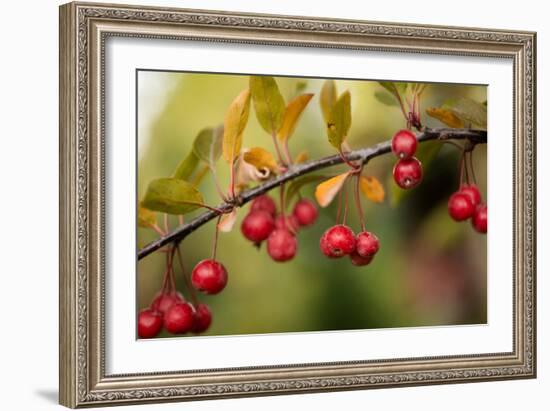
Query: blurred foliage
{"type": "Point", "coordinates": [430, 270]}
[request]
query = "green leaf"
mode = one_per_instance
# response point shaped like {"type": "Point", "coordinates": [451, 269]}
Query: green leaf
{"type": "Point", "coordinates": [208, 145]}
{"type": "Point", "coordinates": [327, 99]}
{"type": "Point", "coordinates": [268, 102]}
{"type": "Point", "coordinates": [394, 87]}
{"type": "Point", "coordinates": [172, 196]}
{"type": "Point", "coordinates": [236, 119]}
{"type": "Point", "coordinates": [296, 185]}
{"type": "Point", "coordinates": [426, 153]}
{"type": "Point", "coordinates": [340, 120]}
{"type": "Point", "coordinates": [470, 112]}
{"type": "Point", "coordinates": [385, 98]}
{"type": "Point", "coordinates": [187, 166]}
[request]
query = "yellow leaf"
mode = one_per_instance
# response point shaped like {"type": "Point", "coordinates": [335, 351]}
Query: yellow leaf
{"type": "Point", "coordinates": [327, 190]}
{"type": "Point", "coordinates": [292, 113]}
{"type": "Point", "coordinates": [227, 222]}
{"type": "Point", "coordinates": [327, 98]}
{"type": "Point", "coordinates": [302, 157]}
{"type": "Point", "coordinates": [372, 189]}
{"type": "Point", "coordinates": [146, 217]}
{"type": "Point", "coordinates": [234, 124]}
{"type": "Point", "coordinates": [447, 117]}
{"type": "Point", "coordinates": [260, 158]}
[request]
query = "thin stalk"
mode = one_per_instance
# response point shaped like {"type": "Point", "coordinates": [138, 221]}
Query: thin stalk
{"type": "Point", "coordinates": [186, 279]}
{"type": "Point", "coordinates": [358, 202]}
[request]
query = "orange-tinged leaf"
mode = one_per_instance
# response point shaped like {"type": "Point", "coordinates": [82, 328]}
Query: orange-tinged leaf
{"type": "Point", "coordinates": [447, 117]}
{"type": "Point", "coordinates": [327, 190]}
{"type": "Point", "coordinates": [302, 156]}
{"type": "Point", "coordinates": [292, 114]}
{"type": "Point", "coordinates": [234, 124]}
{"type": "Point", "coordinates": [227, 222]}
{"type": "Point", "coordinates": [146, 217]}
{"type": "Point", "coordinates": [260, 158]}
{"type": "Point", "coordinates": [372, 188]}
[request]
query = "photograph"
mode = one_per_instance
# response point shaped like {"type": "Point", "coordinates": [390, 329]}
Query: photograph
{"type": "Point", "coordinates": [272, 204]}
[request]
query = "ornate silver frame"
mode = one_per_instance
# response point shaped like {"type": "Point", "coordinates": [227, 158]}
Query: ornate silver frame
{"type": "Point", "coordinates": [83, 30]}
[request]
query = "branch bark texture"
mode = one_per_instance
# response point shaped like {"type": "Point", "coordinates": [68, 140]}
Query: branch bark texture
{"type": "Point", "coordinates": [363, 155]}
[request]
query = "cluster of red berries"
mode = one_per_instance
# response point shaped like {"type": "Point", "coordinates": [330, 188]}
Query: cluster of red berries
{"type": "Point", "coordinates": [407, 172]}
{"type": "Point", "coordinates": [169, 309]}
{"type": "Point", "coordinates": [339, 240]}
{"type": "Point", "coordinates": [465, 204]}
{"type": "Point", "coordinates": [263, 222]}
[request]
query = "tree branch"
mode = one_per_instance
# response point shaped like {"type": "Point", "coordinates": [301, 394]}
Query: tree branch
{"type": "Point", "coordinates": [363, 155]}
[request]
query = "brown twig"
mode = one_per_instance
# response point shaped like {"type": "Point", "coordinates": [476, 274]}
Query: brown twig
{"type": "Point", "coordinates": [362, 155]}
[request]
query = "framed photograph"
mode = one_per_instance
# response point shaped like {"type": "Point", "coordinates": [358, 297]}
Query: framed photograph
{"type": "Point", "coordinates": [259, 204]}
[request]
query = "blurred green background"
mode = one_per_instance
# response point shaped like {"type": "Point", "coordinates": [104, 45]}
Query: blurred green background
{"type": "Point", "coordinates": [429, 271]}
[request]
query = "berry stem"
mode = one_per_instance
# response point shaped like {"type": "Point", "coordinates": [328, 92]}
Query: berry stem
{"type": "Point", "coordinates": [358, 202]}
{"type": "Point", "coordinates": [216, 232]}
{"type": "Point", "coordinates": [345, 189]}
{"type": "Point", "coordinates": [471, 158]}
{"type": "Point", "coordinates": [278, 149]}
{"type": "Point", "coordinates": [186, 279]}
{"type": "Point", "coordinates": [158, 230]}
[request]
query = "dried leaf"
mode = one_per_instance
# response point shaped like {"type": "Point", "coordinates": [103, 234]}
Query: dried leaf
{"type": "Point", "coordinates": [235, 122]}
{"type": "Point", "coordinates": [261, 158]}
{"type": "Point", "coordinates": [302, 157]}
{"type": "Point", "coordinates": [227, 222]}
{"type": "Point", "coordinates": [327, 98]}
{"type": "Point", "coordinates": [146, 218]}
{"type": "Point", "coordinates": [447, 117]}
{"type": "Point", "coordinates": [340, 120]}
{"type": "Point", "coordinates": [372, 188]}
{"type": "Point", "coordinates": [327, 190]}
{"type": "Point", "coordinates": [268, 102]}
{"type": "Point", "coordinates": [172, 196]}
{"type": "Point", "coordinates": [247, 173]}
{"type": "Point", "coordinates": [292, 114]}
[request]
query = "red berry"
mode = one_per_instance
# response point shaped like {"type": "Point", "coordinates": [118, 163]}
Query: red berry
{"type": "Point", "coordinates": [163, 301]}
{"type": "Point", "coordinates": [305, 212]}
{"type": "Point", "coordinates": [257, 226]}
{"type": "Point", "coordinates": [203, 318]}
{"type": "Point", "coordinates": [479, 220]}
{"type": "Point", "coordinates": [472, 192]}
{"type": "Point", "coordinates": [281, 245]}
{"type": "Point", "coordinates": [264, 203]}
{"type": "Point", "coordinates": [357, 260]}
{"type": "Point", "coordinates": [403, 144]}
{"type": "Point", "coordinates": [338, 241]}
{"type": "Point", "coordinates": [179, 318]}
{"type": "Point", "coordinates": [460, 207]}
{"type": "Point", "coordinates": [407, 173]}
{"type": "Point", "coordinates": [291, 223]}
{"type": "Point", "coordinates": [149, 323]}
{"type": "Point", "coordinates": [366, 244]}
{"type": "Point", "coordinates": [209, 276]}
